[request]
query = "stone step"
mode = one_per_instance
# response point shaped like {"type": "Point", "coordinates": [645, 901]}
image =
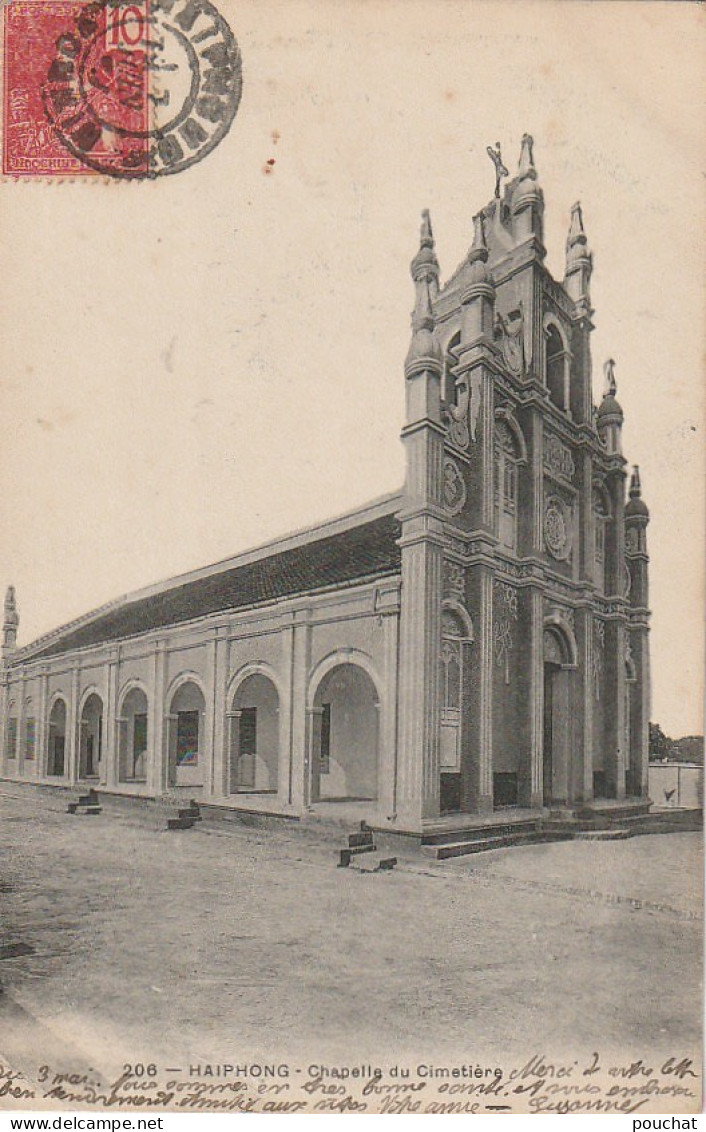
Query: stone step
{"type": "Point", "coordinates": [374, 864]}
{"type": "Point", "coordinates": [570, 828]}
{"type": "Point", "coordinates": [615, 812]}
{"type": "Point", "coordinates": [480, 832]}
{"type": "Point", "coordinates": [465, 846]}
{"type": "Point", "coordinates": [358, 840]}
{"type": "Point", "coordinates": [79, 808]}
{"type": "Point", "coordinates": [89, 799]}
{"type": "Point", "coordinates": [614, 834]}
{"type": "Point", "coordinates": [346, 855]}
{"type": "Point", "coordinates": [180, 823]}
{"type": "Point", "coordinates": [194, 814]}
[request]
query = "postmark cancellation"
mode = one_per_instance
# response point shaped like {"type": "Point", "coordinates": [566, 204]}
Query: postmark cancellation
{"type": "Point", "coordinates": [110, 88]}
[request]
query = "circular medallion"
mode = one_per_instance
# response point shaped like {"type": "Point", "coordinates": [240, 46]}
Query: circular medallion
{"type": "Point", "coordinates": [454, 487]}
{"type": "Point", "coordinates": [556, 532]}
{"type": "Point", "coordinates": [140, 90]}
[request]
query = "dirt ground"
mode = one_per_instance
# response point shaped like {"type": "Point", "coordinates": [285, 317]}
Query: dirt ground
{"type": "Point", "coordinates": [229, 943]}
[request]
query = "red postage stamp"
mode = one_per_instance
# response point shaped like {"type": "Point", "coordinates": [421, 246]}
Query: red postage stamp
{"type": "Point", "coordinates": [128, 89]}
{"type": "Point", "coordinates": [47, 103]}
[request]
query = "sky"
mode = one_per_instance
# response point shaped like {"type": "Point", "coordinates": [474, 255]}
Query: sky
{"type": "Point", "coordinates": [195, 365]}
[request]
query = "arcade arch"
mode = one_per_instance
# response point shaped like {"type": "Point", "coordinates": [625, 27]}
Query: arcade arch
{"type": "Point", "coordinates": [56, 739]}
{"type": "Point", "coordinates": [559, 662]}
{"type": "Point", "coordinates": [254, 735]}
{"type": "Point", "coordinates": [345, 734]}
{"type": "Point", "coordinates": [133, 735]}
{"type": "Point", "coordinates": [186, 733]}
{"type": "Point", "coordinates": [90, 744]}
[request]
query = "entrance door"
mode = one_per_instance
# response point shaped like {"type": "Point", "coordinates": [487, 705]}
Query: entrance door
{"type": "Point", "coordinates": [452, 692]}
{"type": "Point", "coordinates": [58, 759]}
{"type": "Point", "coordinates": [548, 763]}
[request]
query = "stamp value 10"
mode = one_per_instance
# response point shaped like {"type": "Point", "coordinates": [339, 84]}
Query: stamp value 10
{"type": "Point", "coordinates": [130, 90]}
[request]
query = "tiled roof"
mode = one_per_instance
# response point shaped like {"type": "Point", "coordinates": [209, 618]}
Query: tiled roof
{"type": "Point", "coordinates": [359, 553]}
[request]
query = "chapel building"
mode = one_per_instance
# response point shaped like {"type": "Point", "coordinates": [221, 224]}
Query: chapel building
{"type": "Point", "coordinates": [475, 642]}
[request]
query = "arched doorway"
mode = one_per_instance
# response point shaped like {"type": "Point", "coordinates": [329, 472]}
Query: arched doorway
{"type": "Point", "coordinates": [558, 663]}
{"type": "Point", "coordinates": [11, 731]}
{"type": "Point", "coordinates": [456, 635]}
{"type": "Point", "coordinates": [345, 736]}
{"type": "Point", "coordinates": [30, 731]}
{"type": "Point", "coordinates": [56, 740]}
{"type": "Point", "coordinates": [90, 748]}
{"type": "Point", "coordinates": [507, 457]}
{"type": "Point", "coordinates": [132, 737]}
{"type": "Point", "coordinates": [187, 713]}
{"type": "Point", "coordinates": [254, 737]}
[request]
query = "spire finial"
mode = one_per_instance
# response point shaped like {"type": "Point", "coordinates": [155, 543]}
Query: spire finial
{"type": "Point", "coordinates": [577, 234]}
{"type": "Point", "coordinates": [10, 622]}
{"type": "Point", "coordinates": [609, 373]}
{"type": "Point", "coordinates": [635, 485]}
{"type": "Point", "coordinates": [424, 352]}
{"type": "Point", "coordinates": [423, 317]}
{"type": "Point", "coordinates": [526, 166]}
{"type": "Point", "coordinates": [479, 248]}
{"type": "Point", "coordinates": [425, 265]}
{"type": "Point", "coordinates": [11, 615]}
{"type": "Point", "coordinates": [579, 261]}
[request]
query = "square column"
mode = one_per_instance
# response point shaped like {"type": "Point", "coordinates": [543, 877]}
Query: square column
{"type": "Point", "coordinates": [299, 785]}
{"type": "Point", "coordinates": [71, 764]}
{"type": "Point", "coordinates": [614, 731]}
{"type": "Point", "coordinates": [3, 730]}
{"type": "Point", "coordinates": [109, 769]}
{"type": "Point", "coordinates": [640, 710]}
{"type": "Point", "coordinates": [477, 766]}
{"type": "Point", "coordinates": [157, 778]}
{"type": "Point", "coordinates": [418, 780]}
{"type": "Point", "coordinates": [536, 799]}
{"type": "Point", "coordinates": [218, 677]}
{"type": "Point", "coordinates": [20, 747]}
{"type": "Point", "coordinates": [588, 688]}
{"type": "Point", "coordinates": [387, 731]}
{"type": "Point", "coordinates": [42, 737]}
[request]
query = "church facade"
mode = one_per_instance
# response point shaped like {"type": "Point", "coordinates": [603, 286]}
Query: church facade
{"type": "Point", "coordinates": [476, 642]}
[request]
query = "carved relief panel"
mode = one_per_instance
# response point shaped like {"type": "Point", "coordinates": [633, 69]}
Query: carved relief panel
{"type": "Point", "coordinates": [558, 526]}
{"type": "Point", "coordinates": [504, 617]}
{"type": "Point", "coordinates": [455, 493]}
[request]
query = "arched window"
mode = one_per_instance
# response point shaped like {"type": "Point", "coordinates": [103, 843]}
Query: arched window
{"type": "Point", "coordinates": [448, 385]}
{"type": "Point", "coordinates": [30, 731]}
{"type": "Point", "coordinates": [601, 515]}
{"type": "Point", "coordinates": [556, 365]}
{"type": "Point", "coordinates": [456, 635]}
{"type": "Point", "coordinates": [11, 731]}
{"type": "Point", "coordinates": [507, 458]}
{"type": "Point", "coordinates": [451, 663]}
